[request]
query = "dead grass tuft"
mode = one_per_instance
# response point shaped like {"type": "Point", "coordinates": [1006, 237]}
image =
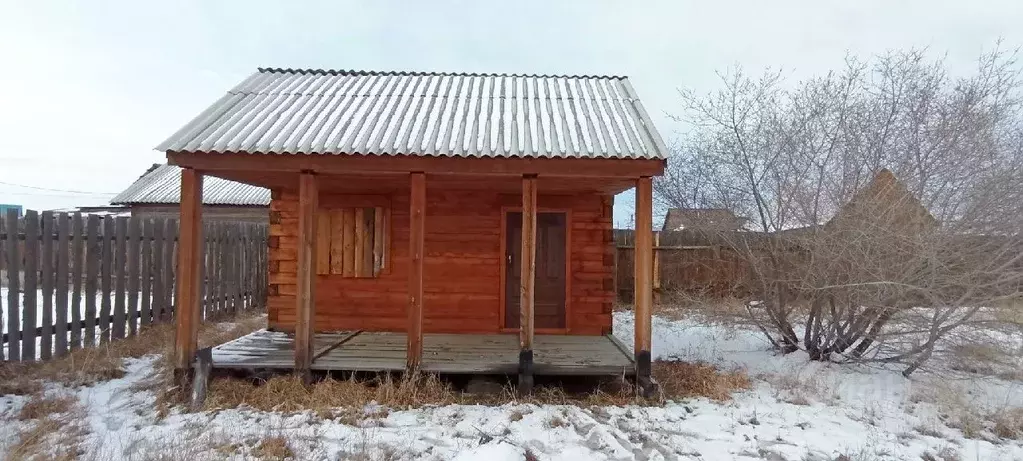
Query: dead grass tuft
{"type": "Point", "coordinates": [83, 366]}
{"type": "Point", "coordinates": [55, 430]}
{"type": "Point", "coordinates": [1008, 424]}
{"type": "Point", "coordinates": [105, 361]}
{"type": "Point", "coordinates": [287, 393]}
{"type": "Point", "coordinates": [329, 398]}
{"type": "Point", "coordinates": [273, 448]}
{"type": "Point", "coordinates": [688, 380]}
{"type": "Point", "coordinates": [43, 406]}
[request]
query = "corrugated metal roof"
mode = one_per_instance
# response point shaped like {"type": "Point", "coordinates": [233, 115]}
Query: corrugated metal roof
{"type": "Point", "coordinates": [432, 114]}
{"type": "Point", "coordinates": [163, 185]}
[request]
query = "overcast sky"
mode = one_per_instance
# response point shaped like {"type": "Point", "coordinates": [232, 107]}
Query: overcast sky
{"type": "Point", "coordinates": [86, 92]}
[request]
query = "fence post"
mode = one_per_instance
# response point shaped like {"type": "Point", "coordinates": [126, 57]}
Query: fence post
{"type": "Point", "coordinates": [28, 324]}
{"type": "Point", "coordinates": [13, 287]}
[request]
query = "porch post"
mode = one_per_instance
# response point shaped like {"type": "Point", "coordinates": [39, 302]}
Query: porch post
{"type": "Point", "coordinates": [527, 277]}
{"type": "Point", "coordinates": [189, 279]}
{"type": "Point", "coordinates": [417, 225]}
{"type": "Point", "coordinates": [644, 284]}
{"type": "Point", "coordinates": [305, 300]}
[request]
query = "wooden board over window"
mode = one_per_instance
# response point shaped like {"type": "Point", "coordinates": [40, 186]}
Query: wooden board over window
{"type": "Point", "coordinates": [352, 241]}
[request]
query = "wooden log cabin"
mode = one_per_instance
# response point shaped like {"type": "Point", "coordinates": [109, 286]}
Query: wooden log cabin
{"type": "Point", "coordinates": [445, 222]}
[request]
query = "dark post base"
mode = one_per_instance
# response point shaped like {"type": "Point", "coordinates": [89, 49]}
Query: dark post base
{"type": "Point", "coordinates": [201, 377]}
{"type": "Point", "coordinates": [183, 379]}
{"type": "Point", "coordinates": [525, 371]}
{"type": "Point", "coordinates": [645, 383]}
{"type": "Point", "coordinates": [306, 375]}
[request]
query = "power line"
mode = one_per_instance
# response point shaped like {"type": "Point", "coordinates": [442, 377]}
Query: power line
{"type": "Point", "coordinates": [37, 194]}
{"type": "Point", "coordinates": [57, 190]}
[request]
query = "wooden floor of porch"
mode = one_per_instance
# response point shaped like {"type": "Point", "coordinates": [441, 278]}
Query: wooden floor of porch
{"type": "Point", "coordinates": [554, 355]}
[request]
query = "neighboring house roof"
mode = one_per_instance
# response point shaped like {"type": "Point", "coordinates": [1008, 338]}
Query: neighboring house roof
{"type": "Point", "coordinates": [885, 200]}
{"type": "Point", "coordinates": [714, 219]}
{"type": "Point", "coordinates": [428, 114]}
{"type": "Point", "coordinates": [162, 185]}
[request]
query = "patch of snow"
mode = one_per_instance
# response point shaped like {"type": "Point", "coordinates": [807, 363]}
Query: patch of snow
{"type": "Point", "coordinates": [862, 412]}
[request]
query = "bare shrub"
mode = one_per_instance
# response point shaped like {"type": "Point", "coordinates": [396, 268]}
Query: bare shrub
{"type": "Point", "coordinates": [885, 200]}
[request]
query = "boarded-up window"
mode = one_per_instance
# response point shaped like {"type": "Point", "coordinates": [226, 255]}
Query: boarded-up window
{"type": "Point", "coordinates": [353, 242]}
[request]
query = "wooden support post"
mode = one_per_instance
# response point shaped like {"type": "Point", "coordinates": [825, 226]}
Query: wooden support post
{"type": "Point", "coordinates": [305, 301]}
{"type": "Point", "coordinates": [417, 231]}
{"type": "Point", "coordinates": [189, 276]}
{"type": "Point", "coordinates": [657, 267]}
{"type": "Point", "coordinates": [527, 277]}
{"type": "Point", "coordinates": [644, 284]}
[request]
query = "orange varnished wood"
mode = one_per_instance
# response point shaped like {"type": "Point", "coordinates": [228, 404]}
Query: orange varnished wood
{"type": "Point", "coordinates": [189, 280]}
{"type": "Point", "coordinates": [527, 275]}
{"type": "Point", "coordinates": [322, 242]}
{"type": "Point", "coordinates": [305, 300]}
{"type": "Point", "coordinates": [417, 233]}
{"type": "Point", "coordinates": [644, 264]}
{"type": "Point", "coordinates": [462, 264]}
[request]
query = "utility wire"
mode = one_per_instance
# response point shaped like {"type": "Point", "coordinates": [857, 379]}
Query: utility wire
{"type": "Point", "coordinates": [58, 190]}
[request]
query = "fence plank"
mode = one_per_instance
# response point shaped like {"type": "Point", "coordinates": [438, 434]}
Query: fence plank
{"type": "Point", "coordinates": [211, 270]}
{"type": "Point", "coordinates": [232, 261]}
{"type": "Point", "coordinates": [28, 323]}
{"type": "Point", "coordinates": [120, 265]}
{"type": "Point", "coordinates": [92, 255]}
{"type": "Point", "coordinates": [46, 274]}
{"type": "Point", "coordinates": [219, 278]}
{"type": "Point", "coordinates": [264, 264]}
{"type": "Point", "coordinates": [61, 302]}
{"type": "Point", "coordinates": [146, 273]}
{"type": "Point", "coordinates": [247, 266]}
{"type": "Point", "coordinates": [134, 246]}
{"type": "Point", "coordinates": [171, 232]}
{"type": "Point", "coordinates": [13, 287]}
{"type": "Point", "coordinates": [157, 269]}
{"type": "Point", "coordinates": [77, 275]}
{"type": "Point", "coordinates": [106, 279]}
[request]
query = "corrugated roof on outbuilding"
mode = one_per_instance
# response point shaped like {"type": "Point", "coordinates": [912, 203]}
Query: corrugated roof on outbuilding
{"type": "Point", "coordinates": [162, 184]}
{"type": "Point", "coordinates": [425, 113]}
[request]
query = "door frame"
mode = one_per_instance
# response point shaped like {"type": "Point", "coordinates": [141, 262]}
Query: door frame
{"type": "Point", "coordinates": [568, 269]}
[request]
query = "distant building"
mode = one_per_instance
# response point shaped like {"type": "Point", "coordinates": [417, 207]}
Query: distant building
{"type": "Point", "coordinates": [885, 201]}
{"type": "Point", "coordinates": [157, 193]}
{"type": "Point", "coordinates": [705, 219]}
{"type": "Point", "coordinates": [5, 207]}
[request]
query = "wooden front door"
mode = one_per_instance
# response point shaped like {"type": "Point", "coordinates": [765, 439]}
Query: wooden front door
{"type": "Point", "coordinates": [551, 270]}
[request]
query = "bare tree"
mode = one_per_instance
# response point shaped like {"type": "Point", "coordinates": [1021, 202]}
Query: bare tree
{"type": "Point", "coordinates": [885, 198]}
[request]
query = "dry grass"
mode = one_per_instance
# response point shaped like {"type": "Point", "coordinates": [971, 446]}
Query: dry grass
{"type": "Point", "coordinates": [43, 406]}
{"type": "Point", "coordinates": [54, 431]}
{"type": "Point", "coordinates": [287, 393]}
{"type": "Point", "coordinates": [1008, 424]}
{"type": "Point", "coordinates": [333, 398]}
{"type": "Point", "coordinates": [687, 380]}
{"type": "Point", "coordinates": [106, 361]}
{"type": "Point", "coordinates": [83, 366]}
{"type": "Point", "coordinates": [273, 448]}
{"type": "Point", "coordinates": [800, 388]}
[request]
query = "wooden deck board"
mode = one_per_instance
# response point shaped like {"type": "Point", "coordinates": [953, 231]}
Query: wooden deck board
{"type": "Point", "coordinates": [442, 353]}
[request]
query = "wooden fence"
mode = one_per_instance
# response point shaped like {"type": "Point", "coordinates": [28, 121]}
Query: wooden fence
{"type": "Point", "coordinates": [684, 262]}
{"type": "Point", "coordinates": [71, 281]}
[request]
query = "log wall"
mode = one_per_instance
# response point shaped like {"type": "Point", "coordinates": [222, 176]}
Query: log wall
{"type": "Point", "coordinates": [462, 266]}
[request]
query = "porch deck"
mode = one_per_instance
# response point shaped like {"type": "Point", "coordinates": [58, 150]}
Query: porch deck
{"type": "Point", "coordinates": [554, 355]}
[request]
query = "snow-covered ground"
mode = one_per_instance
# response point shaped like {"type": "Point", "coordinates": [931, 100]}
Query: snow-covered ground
{"type": "Point", "coordinates": [796, 411]}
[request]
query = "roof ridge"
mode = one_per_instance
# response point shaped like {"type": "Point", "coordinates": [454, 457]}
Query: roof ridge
{"type": "Point", "coordinates": [290, 70]}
